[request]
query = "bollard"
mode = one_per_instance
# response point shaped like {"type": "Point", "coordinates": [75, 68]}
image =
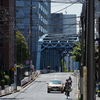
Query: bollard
{"type": "Point", "coordinates": [0, 90]}
{"type": "Point", "coordinates": [5, 86]}
{"type": "Point", "coordinates": [11, 87]}
{"type": "Point", "coordinates": [85, 83]}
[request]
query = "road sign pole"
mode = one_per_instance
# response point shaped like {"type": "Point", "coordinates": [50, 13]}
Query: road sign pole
{"type": "Point", "coordinates": [15, 77]}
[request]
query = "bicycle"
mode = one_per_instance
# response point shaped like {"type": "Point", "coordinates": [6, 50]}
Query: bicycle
{"type": "Point", "coordinates": [67, 92]}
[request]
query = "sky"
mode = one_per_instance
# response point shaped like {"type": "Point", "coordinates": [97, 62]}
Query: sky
{"type": "Point", "coordinates": [73, 9]}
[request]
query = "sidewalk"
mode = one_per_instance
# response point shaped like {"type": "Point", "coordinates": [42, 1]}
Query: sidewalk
{"type": "Point", "coordinates": [10, 89]}
{"type": "Point", "coordinates": [97, 98]}
{"type": "Point", "coordinates": [78, 91]}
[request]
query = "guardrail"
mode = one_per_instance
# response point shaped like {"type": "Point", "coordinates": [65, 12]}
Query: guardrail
{"type": "Point", "coordinates": [7, 89]}
{"type": "Point", "coordinates": [10, 89]}
{"type": "Point", "coordinates": [27, 79]}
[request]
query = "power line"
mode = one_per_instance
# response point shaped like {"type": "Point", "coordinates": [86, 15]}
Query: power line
{"type": "Point", "coordinates": [64, 8]}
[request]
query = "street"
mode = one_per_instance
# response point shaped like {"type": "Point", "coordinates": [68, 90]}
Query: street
{"type": "Point", "coordinates": [37, 90]}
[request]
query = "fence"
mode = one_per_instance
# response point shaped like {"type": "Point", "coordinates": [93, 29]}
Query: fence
{"type": "Point", "coordinates": [9, 89]}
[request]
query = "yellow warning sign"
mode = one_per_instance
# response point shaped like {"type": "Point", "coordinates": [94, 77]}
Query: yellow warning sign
{"type": "Point", "coordinates": [14, 69]}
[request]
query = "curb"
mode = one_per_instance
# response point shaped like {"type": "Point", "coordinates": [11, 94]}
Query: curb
{"type": "Point", "coordinates": [77, 92]}
{"type": "Point", "coordinates": [20, 88]}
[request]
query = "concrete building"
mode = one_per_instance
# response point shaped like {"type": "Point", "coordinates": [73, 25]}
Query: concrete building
{"type": "Point", "coordinates": [69, 24]}
{"type": "Point", "coordinates": [40, 20]}
{"type": "Point", "coordinates": [57, 23]}
{"type": "Point", "coordinates": [63, 23]}
{"type": "Point", "coordinates": [6, 34]}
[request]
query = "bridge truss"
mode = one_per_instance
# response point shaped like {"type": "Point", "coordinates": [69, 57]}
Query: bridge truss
{"type": "Point", "coordinates": [52, 48]}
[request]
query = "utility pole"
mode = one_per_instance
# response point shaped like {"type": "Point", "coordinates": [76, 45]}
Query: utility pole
{"type": "Point", "coordinates": [15, 55]}
{"type": "Point", "coordinates": [21, 51]}
{"type": "Point", "coordinates": [90, 53]}
{"type": "Point", "coordinates": [28, 56]}
{"type": "Point", "coordinates": [82, 58]}
{"type": "Point", "coordinates": [31, 33]}
{"type": "Point", "coordinates": [35, 49]}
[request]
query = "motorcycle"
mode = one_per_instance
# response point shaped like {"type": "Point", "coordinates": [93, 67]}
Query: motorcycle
{"type": "Point", "coordinates": [70, 82]}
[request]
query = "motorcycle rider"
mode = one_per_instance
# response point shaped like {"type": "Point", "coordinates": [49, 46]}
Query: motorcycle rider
{"type": "Point", "coordinates": [67, 88]}
{"type": "Point", "coordinates": [70, 80]}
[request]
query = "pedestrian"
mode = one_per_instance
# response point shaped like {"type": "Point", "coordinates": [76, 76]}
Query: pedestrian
{"type": "Point", "coordinates": [48, 69]}
{"type": "Point", "coordinates": [56, 68]}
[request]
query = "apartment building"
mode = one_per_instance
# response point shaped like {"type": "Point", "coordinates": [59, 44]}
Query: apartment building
{"type": "Point", "coordinates": [63, 23]}
{"type": "Point", "coordinates": [40, 20]}
{"type": "Point", "coordinates": [6, 34]}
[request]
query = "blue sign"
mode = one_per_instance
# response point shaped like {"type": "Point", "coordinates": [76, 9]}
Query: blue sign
{"type": "Point", "coordinates": [27, 62]}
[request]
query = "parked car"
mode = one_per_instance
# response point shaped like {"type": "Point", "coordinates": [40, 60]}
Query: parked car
{"type": "Point", "coordinates": [55, 85]}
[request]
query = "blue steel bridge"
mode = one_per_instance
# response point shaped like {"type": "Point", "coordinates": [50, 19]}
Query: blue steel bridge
{"type": "Point", "coordinates": [52, 48]}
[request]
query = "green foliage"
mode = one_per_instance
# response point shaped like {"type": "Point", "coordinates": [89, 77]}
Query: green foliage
{"type": "Point", "coordinates": [11, 81]}
{"type": "Point", "coordinates": [6, 71]}
{"type": "Point", "coordinates": [77, 52]}
{"type": "Point", "coordinates": [2, 73]}
{"type": "Point", "coordinates": [11, 74]}
{"type": "Point", "coordinates": [18, 66]}
{"type": "Point", "coordinates": [21, 45]}
{"type": "Point", "coordinates": [7, 79]}
{"type": "Point", "coordinates": [65, 67]}
{"type": "Point", "coordinates": [2, 83]}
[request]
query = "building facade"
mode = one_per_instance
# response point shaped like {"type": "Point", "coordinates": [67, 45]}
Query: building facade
{"type": "Point", "coordinates": [40, 20]}
{"type": "Point", "coordinates": [69, 24]}
{"type": "Point", "coordinates": [57, 23]}
{"type": "Point", "coordinates": [63, 23]}
{"type": "Point", "coordinates": [6, 34]}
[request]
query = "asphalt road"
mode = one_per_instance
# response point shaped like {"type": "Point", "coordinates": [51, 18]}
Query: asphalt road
{"type": "Point", "coordinates": [37, 90]}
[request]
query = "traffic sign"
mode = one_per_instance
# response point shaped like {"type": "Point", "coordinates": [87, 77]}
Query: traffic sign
{"type": "Point", "coordinates": [14, 69]}
{"type": "Point", "coordinates": [27, 62]}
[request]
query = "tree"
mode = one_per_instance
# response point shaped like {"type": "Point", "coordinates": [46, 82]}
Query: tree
{"type": "Point", "coordinates": [22, 47]}
{"type": "Point", "coordinates": [77, 52]}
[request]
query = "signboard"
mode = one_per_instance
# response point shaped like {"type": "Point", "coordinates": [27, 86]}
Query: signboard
{"type": "Point", "coordinates": [27, 62]}
{"type": "Point", "coordinates": [14, 69]}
